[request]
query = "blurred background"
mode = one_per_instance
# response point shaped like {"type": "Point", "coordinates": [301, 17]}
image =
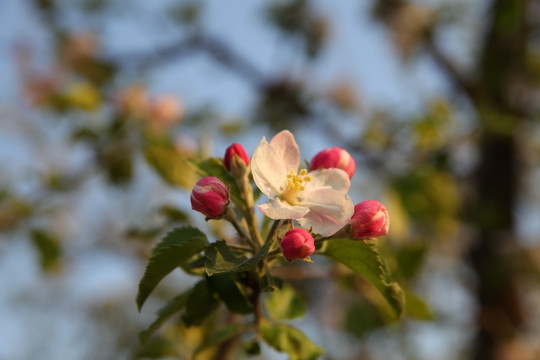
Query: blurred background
{"type": "Point", "coordinates": [102, 102]}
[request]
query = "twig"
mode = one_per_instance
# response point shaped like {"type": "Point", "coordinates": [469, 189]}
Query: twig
{"type": "Point", "coordinates": [214, 47]}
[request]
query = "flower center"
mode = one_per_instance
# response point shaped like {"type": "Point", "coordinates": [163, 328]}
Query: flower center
{"type": "Point", "coordinates": [295, 184]}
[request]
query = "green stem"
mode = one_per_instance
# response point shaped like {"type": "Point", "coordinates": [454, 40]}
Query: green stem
{"type": "Point", "coordinates": [240, 248]}
{"type": "Point", "coordinates": [249, 212]}
{"type": "Point", "coordinates": [344, 232]}
{"type": "Point", "coordinates": [272, 254]}
{"type": "Point", "coordinates": [273, 229]}
{"type": "Point", "coordinates": [231, 217]}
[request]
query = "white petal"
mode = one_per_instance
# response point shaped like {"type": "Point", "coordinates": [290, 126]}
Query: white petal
{"type": "Point", "coordinates": [336, 179]}
{"type": "Point", "coordinates": [269, 171]}
{"type": "Point", "coordinates": [278, 209]}
{"type": "Point", "coordinates": [329, 210]}
{"type": "Point", "coordinates": [286, 148]}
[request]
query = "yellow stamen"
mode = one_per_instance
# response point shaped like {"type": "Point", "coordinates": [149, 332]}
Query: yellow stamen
{"type": "Point", "coordinates": [295, 184]}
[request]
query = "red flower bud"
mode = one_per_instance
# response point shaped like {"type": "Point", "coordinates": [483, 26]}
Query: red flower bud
{"type": "Point", "coordinates": [370, 219]}
{"type": "Point", "coordinates": [235, 153]}
{"type": "Point", "coordinates": [210, 197]}
{"type": "Point", "coordinates": [335, 157]}
{"type": "Point", "coordinates": [297, 243]}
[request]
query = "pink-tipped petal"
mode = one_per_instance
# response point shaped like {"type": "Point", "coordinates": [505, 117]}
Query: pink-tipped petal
{"type": "Point", "coordinates": [286, 149]}
{"type": "Point", "coordinates": [268, 169]}
{"type": "Point", "coordinates": [329, 211]}
{"type": "Point", "coordinates": [336, 179]}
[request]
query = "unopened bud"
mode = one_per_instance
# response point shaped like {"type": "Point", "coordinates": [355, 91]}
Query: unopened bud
{"type": "Point", "coordinates": [234, 156]}
{"type": "Point", "coordinates": [370, 219]}
{"type": "Point", "coordinates": [297, 244]}
{"type": "Point", "coordinates": [210, 197]}
{"type": "Point", "coordinates": [335, 157]}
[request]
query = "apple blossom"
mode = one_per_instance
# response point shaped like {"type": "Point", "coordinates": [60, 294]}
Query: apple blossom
{"type": "Point", "coordinates": [297, 244]}
{"type": "Point", "coordinates": [210, 197]}
{"type": "Point", "coordinates": [370, 219]}
{"type": "Point", "coordinates": [316, 199]}
{"type": "Point", "coordinates": [335, 157]}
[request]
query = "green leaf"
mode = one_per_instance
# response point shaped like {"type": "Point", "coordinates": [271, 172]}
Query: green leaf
{"type": "Point", "coordinates": [252, 348]}
{"type": "Point", "coordinates": [85, 134]}
{"type": "Point", "coordinates": [172, 166]}
{"type": "Point", "coordinates": [224, 334]}
{"type": "Point", "coordinates": [165, 313]}
{"type": "Point", "coordinates": [157, 348]}
{"type": "Point", "coordinates": [230, 292]}
{"type": "Point", "coordinates": [290, 340]}
{"type": "Point", "coordinates": [270, 283]}
{"type": "Point", "coordinates": [363, 258]}
{"type": "Point", "coordinates": [201, 303]}
{"type": "Point", "coordinates": [176, 249]}
{"type": "Point", "coordinates": [362, 318]}
{"type": "Point", "coordinates": [172, 213]}
{"type": "Point", "coordinates": [48, 247]}
{"type": "Point", "coordinates": [410, 258]}
{"type": "Point", "coordinates": [213, 167]}
{"type": "Point", "coordinates": [417, 308]}
{"type": "Point", "coordinates": [220, 258]}
{"type": "Point", "coordinates": [285, 304]}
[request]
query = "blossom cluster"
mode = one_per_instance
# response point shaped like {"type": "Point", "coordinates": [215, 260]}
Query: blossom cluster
{"type": "Point", "coordinates": [315, 198]}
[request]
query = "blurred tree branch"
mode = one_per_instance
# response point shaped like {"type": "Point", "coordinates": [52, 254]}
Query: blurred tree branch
{"type": "Point", "coordinates": [218, 50]}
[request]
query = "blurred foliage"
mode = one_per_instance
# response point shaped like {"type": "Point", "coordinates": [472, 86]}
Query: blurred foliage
{"type": "Point", "coordinates": [433, 166]}
{"type": "Point", "coordinates": [48, 247]}
{"type": "Point", "coordinates": [297, 18]}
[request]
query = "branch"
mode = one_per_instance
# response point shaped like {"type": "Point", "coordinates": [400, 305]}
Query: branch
{"type": "Point", "coordinates": [215, 48]}
{"type": "Point", "coordinates": [450, 69]}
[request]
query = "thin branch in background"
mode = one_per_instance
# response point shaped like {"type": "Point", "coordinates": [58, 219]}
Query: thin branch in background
{"type": "Point", "coordinates": [450, 69]}
{"type": "Point", "coordinates": [219, 51]}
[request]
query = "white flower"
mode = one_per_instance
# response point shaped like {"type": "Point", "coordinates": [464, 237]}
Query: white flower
{"type": "Point", "coordinates": [316, 200]}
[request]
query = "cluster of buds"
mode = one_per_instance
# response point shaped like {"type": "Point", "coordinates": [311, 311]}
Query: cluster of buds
{"type": "Point", "coordinates": [210, 196]}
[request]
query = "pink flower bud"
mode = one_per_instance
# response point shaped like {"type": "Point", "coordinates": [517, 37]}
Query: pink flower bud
{"type": "Point", "coordinates": [210, 197]}
{"type": "Point", "coordinates": [370, 219]}
{"type": "Point", "coordinates": [335, 157]}
{"type": "Point", "coordinates": [297, 244]}
{"type": "Point", "coordinates": [235, 153]}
